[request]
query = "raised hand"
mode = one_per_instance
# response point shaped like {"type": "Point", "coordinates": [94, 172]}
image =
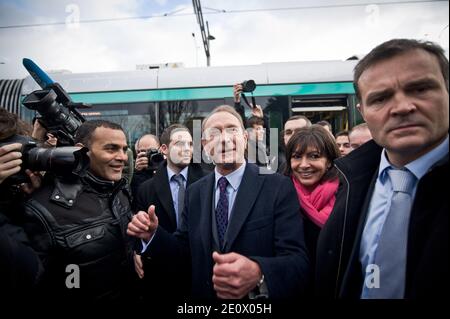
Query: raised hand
{"type": "Point", "coordinates": [144, 224]}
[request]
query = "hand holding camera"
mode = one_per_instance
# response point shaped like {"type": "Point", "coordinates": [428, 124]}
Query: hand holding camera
{"type": "Point", "coordinates": [10, 164]}
{"type": "Point", "coordinates": [149, 159]}
{"type": "Point", "coordinates": [10, 160]}
{"type": "Point", "coordinates": [237, 91]}
{"type": "Point", "coordinates": [141, 162]}
{"type": "Point", "coordinates": [245, 87]}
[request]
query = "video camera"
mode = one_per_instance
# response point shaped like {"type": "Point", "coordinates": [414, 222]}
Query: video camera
{"type": "Point", "coordinates": [154, 158]}
{"type": "Point", "coordinates": [60, 118]}
{"type": "Point", "coordinates": [58, 112]}
{"type": "Point", "coordinates": [61, 161]}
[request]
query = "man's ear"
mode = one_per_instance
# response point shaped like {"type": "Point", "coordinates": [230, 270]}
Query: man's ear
{"type": "Point", "coordinates": [164, 149]}
{"type": "Point", "coordinates": [361, 110]}
{"type": "Point", "coordinates": [246, 139]}
{"type": "Point", "coordinates": [205, 148]}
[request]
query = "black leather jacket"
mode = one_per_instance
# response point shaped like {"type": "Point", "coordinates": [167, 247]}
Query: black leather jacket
{"type": "Point", "coordinates": [82, 223]}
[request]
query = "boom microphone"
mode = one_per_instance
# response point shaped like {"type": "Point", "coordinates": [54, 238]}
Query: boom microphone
{"type": "Point", "coordinates": [37, 73]}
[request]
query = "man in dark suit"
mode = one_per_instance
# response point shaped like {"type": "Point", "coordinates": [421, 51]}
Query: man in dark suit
{"type": "Point", "coordinates": [176, 145]}
{"type": "Point", "coordinates": [241, 231]}
{"type": "Point", "coordinates": [387, 237]}
{"type": "Point", "coordinates": [163, 191]}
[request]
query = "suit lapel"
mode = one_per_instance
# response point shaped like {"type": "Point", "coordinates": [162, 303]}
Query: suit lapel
{"type": "Point", "coordinates": [206, 199]}
{"type": "Point", "coordinates": [248, 192]}
{"type": "Point", "coordinates": [353, 272]}
{"type": "Point", "coordinates": [194, 174]}
{"type": "Point", "coordinates": [164, 194]}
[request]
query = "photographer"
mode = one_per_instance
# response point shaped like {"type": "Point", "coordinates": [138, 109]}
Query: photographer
{"type": "Point", "coordinates": [258, 127]}
{"type": "Point", "coordinates": [40, 134]}
{"type": "Point", "coordinates": [147, 144]}
{"type": "Point", "coordinates": [20, 267]}
{"type": "Point", "coordinates": [80, 220]}
{"type": "Point", "coordinates": [256, 109]}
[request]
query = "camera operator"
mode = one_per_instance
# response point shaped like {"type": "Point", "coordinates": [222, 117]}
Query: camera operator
{"type": "Point", "coordinates": [40, 134]}
{"type": "Point", "coordinates": [166, 191]}
{"type": "Point", "coordinates": [80, 221]}
{"type": "Point", "coordinates": [143, 169]}
{"type": "Point", "coordinates": [20, 267]}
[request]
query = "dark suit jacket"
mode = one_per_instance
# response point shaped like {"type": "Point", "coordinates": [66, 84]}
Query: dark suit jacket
{"type": "Point", "coordinates": [339, 273]}
{"type": "Point", "coordinates": [162, 280]}
{"type": "Point", "coordinates": [265, 225]}
{"type": "Point", "coordinates": [156, 191]}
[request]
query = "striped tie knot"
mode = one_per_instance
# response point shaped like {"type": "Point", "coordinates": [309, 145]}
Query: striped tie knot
{"type": "Point", "coordinates": [402, 180]}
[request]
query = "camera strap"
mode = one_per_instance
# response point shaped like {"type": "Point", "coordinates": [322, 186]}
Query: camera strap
{"type": "Point", "coordinates": [246, 100]}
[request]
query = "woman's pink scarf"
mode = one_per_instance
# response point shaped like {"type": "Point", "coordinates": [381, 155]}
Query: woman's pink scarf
{"type": "Point", "coordinates": [319, 203]}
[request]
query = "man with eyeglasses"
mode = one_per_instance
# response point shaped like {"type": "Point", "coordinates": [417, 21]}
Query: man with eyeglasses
{"type": "Point", "coordinates": [241, 230]}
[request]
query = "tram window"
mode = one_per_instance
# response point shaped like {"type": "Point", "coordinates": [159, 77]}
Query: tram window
{"type": "Point", "coordinates": [136, 119]}
{"type": "Point", "coordinates": [185, 112]}
{"type": "Point", "coordinates": [332, 108]}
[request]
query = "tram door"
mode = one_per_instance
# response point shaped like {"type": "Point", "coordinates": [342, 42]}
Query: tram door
{"type": "Point", "coordinates": [334, 109]}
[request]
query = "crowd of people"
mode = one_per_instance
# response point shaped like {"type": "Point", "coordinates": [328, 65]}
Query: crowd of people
{"type": "Point", "coordinates": [360, 214]}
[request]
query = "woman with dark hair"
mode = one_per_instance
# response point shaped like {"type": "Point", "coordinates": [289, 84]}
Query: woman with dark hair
{"type": "Point", "coordinates": [310, 154]}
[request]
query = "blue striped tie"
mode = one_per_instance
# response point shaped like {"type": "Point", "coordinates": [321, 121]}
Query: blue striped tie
{"type": "Point", "coordinates": [390, 256]}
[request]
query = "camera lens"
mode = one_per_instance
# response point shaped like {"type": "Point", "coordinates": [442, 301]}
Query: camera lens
{"type": "Point", "coordinates": [248, 86]}
{"type": "Point", "coordinates": [59, 160]}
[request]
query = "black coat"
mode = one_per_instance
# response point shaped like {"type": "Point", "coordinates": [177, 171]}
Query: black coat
{"type": "Point", "coordinates": [338, 270]}
{"type": "Point", "coordinates": [139, 178]}
{"type": "Point", "coordinates": [265, 225]}
{"type": "Point", "coordinates": [164, 280]}
{"type": "Point", "coordinates": [82, 223]}
{"type": "Point", "coordinates": [20, 266]}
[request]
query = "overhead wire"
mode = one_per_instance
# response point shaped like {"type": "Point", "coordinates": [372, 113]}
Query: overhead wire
{"type": "Point", "coordinates": [223, 11]}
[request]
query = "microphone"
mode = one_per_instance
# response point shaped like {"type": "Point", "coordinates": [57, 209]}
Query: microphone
{"type": "Point", "coordinates": [37, 73]}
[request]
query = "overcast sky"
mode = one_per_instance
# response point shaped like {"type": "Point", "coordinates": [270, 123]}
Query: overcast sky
{"type": "Point", "coordinates": [248, 32]}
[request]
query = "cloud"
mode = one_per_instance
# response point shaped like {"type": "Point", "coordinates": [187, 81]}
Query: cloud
{"type": "Point", "coordinates": [241, 38]}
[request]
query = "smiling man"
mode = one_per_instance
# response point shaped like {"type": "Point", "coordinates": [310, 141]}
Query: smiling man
{"type": "Point", "coordinates": [388, 235]}
{"type": "Point", "coordinates": [241, 231]}
{"type": "Point", "coordinates": [77, 225]}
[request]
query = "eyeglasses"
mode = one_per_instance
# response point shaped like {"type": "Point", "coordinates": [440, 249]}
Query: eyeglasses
{"type": "Point", "coordinates": [213, 133]}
